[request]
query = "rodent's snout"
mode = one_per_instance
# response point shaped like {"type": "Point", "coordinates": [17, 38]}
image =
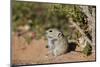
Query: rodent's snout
{"type": "Point", "coordinates": [48, 34]}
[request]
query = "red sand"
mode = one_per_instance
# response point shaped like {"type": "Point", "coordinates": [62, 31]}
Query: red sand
{"type": "Point", "coordinates": [37, 53]}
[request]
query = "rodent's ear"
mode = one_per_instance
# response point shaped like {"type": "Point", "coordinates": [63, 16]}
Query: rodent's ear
{"type": "Point", "coordinates": [60, 34]}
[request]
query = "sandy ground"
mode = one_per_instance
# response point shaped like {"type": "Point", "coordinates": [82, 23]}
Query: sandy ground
{"type": "Point", "coordinates": [37, 53]}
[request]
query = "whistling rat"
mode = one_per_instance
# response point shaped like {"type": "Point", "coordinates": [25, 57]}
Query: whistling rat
{"type": "Point", "coordinates": [57, 43]}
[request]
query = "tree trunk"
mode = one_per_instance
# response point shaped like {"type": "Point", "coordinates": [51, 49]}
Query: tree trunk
{"type": "Point", "coordinates": [80, 30]}
{"type": "Point", "coordinates": [91, 21]}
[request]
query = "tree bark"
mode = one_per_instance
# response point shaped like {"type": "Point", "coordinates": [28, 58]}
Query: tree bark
{"type": "Point", "coordinates": [80, 30]}
{"type": "Point", "coordinates": [91, 20]}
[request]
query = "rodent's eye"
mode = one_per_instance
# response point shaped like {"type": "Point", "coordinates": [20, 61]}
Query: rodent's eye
{"type": "Point", "coordinates": [50, 31]}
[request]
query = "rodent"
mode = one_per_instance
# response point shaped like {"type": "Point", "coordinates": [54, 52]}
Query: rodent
{"type": "Point", "coordinates": [57, 43]}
